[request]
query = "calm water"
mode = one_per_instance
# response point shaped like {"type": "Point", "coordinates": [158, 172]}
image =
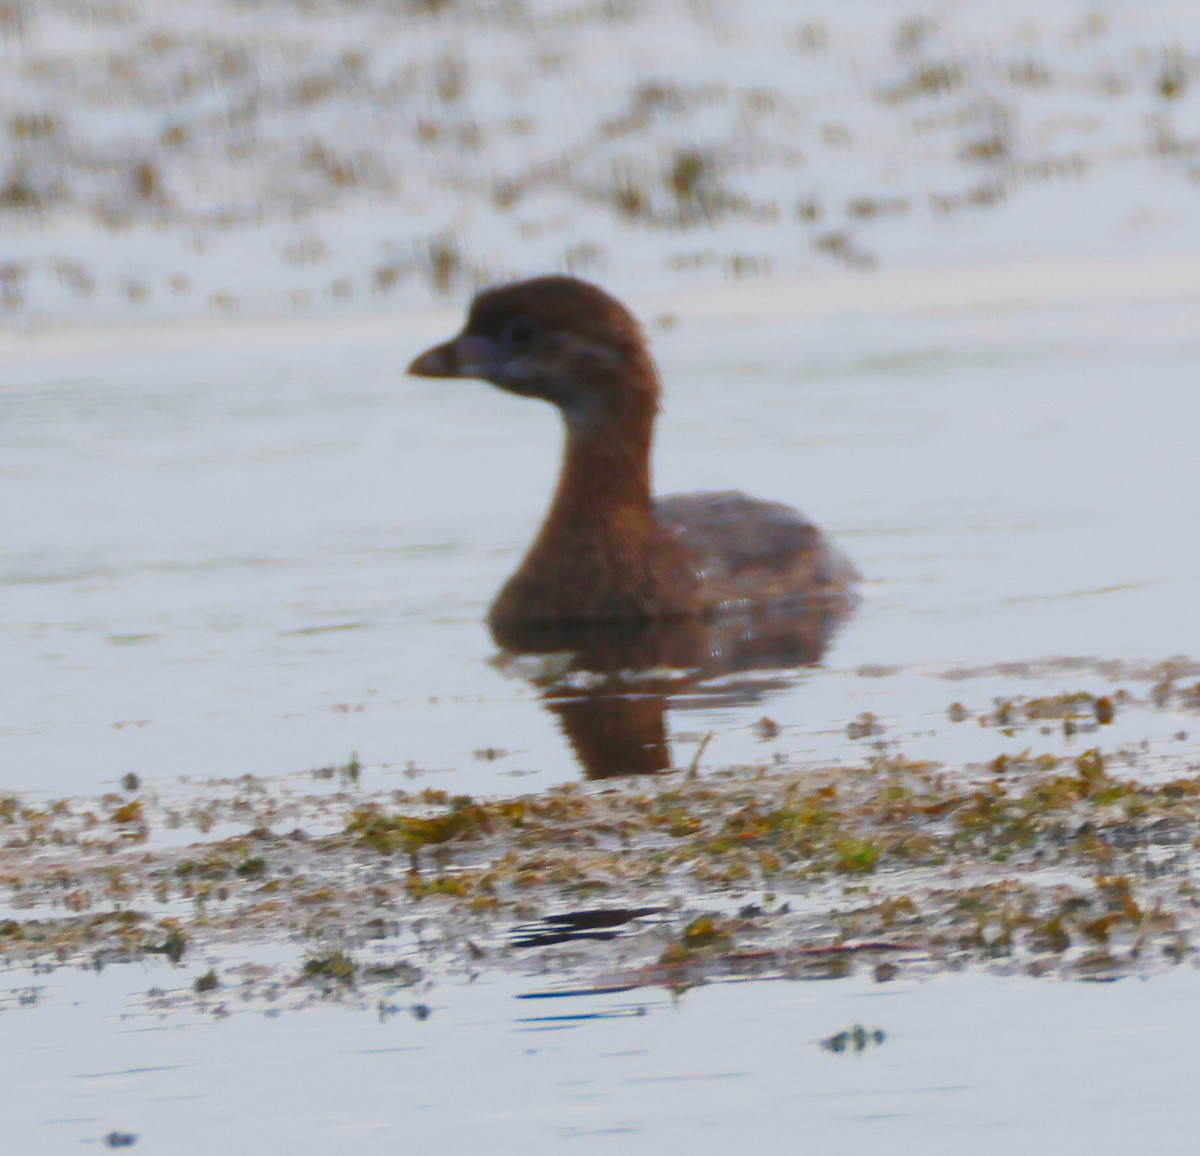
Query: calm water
{"type": "Point", "coordinates": [260, 549]}
{"type": "Point", "coordinates": [980, 1063]}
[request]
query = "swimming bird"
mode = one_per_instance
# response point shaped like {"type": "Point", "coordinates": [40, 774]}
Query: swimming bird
{"type": "Point", "coordinates": [608, 551]}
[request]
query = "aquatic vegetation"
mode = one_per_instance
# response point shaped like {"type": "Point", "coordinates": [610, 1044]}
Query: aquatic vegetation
{"type": "Point", "coordinates": [206, 982]}
{"type": "Point", "coordinates": [333, 965]}
{"type": "Point", "coordinates": [462, 819]}
{"type": "Point", "coordinates": [857, 856]}
{"type": "Point", "coordinates": [252, 867]}
{"type": "Point", "coordinates": [926, 79]}
{"type": "Point", "coordinates": [174, 946]}
{"type": "Point", "coordinates": [451, 126]}
{"type": "Point", "coordinates": [1075, 862]}
{"type": "Point", "coordinates": [348, 773]}
{"type": "Point", "coordinates": [130, 812]}
{"type": "Point", "coordinates": [703, 931]}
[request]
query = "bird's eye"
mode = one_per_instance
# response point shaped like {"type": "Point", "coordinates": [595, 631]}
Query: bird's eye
{"type": "Point", "coordinates": [520, 332]}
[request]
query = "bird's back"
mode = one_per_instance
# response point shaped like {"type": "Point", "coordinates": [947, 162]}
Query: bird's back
{"type": "Point", "coordinates": [750, 551]}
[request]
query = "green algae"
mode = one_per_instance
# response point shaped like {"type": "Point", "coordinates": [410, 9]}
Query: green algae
{"type": "Point", "coordinates": [333, 966]}
{"type": "Point", "coordinates": [1047, 862]}
{"type": "Point", "coordinates": [206, 982]}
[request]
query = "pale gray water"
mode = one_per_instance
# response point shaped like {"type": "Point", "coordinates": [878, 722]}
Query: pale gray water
{"type": "Point", "coordinates": [258, 550]}
{"type": "Point", "coordinates": [229, 548]}
{"type": "Point", "coordinates": [980, 1063]}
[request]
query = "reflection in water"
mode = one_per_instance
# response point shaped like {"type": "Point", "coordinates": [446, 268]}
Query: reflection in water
{"type": "Point", "coordinates": [609, 684]}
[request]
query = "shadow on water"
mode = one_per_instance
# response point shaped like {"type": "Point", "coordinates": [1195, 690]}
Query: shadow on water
{"type": "Point", "coordinates": [609, 685]}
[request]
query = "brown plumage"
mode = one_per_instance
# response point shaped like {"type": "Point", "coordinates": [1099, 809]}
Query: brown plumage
{"type": "Point", "coordinates": [607, 550]}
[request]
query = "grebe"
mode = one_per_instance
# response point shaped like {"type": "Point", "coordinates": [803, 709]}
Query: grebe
{"type": "Point", "coordinates": [608, 551]}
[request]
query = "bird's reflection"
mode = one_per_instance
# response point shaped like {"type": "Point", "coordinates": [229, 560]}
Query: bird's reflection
{"type": "Point", "coordinates": [609, 684]}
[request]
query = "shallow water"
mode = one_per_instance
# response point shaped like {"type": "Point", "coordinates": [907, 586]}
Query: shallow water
{"type": "Point", "coordinates": [256, 550]}
{"type": "Point", "coordinates": [982, 1062]}
{"type": "Point", "coordinates": [259, 549]}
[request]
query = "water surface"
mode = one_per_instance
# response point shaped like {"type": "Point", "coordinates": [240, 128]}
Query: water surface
{"type": "Point", "coordinates": [258, 549]}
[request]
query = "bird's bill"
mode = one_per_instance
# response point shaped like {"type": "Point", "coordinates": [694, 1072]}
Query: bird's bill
{"type": "Point", "coordinates": [464, 356]}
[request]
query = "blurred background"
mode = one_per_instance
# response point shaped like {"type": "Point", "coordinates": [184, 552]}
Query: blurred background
{"type": "Point", "coordinates": [264, 157]}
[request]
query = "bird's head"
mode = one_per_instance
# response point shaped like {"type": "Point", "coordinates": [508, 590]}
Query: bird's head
{"type": "Point", "coordinates": [557, 338]}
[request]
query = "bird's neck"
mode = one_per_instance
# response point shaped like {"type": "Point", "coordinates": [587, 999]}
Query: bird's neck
{"type": "Point", "coordinates": [597, 553]}
{"type": "Point", "coordinates": [605, 482]}
{"type": "Point", "coordinates": [600, 554]}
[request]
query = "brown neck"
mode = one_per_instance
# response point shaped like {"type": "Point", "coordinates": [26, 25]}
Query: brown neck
{"type": "Point", "coordinates": [605, 477]}
{"type": "Point", "coordinates": [598, 554]}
